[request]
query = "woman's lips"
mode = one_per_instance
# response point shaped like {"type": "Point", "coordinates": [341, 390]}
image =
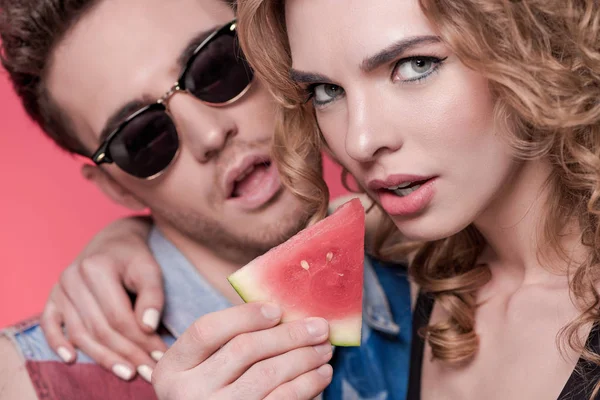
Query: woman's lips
{"type": "Point", "coordinates": [415, 201]}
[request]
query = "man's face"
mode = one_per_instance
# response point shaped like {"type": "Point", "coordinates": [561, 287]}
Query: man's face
{"type": "Point", "coordinates": [218, 191]}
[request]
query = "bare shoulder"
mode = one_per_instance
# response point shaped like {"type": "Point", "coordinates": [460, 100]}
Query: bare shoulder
{"type": "Point", "coordinates": [14, 379]}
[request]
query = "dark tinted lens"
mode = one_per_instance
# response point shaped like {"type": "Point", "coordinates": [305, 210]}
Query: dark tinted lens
{"type": "Point", "coordinates": [146, 145]}
{"type": "Point", "coordinates": [219, 72]}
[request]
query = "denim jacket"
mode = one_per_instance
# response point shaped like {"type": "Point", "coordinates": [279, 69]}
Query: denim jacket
{"type": "Point", "coordinates": [376, 370]}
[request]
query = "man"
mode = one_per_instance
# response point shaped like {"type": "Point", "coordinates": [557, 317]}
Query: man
{"type": "Point", "coordinates": [97, 76]}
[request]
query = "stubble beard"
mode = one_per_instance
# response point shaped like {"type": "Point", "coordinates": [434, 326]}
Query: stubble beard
{"type": "Point", "coordinates": [238, 247]}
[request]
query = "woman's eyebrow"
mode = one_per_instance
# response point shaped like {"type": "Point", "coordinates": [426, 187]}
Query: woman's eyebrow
{"type": "Point", "coordinates": [396, 50]}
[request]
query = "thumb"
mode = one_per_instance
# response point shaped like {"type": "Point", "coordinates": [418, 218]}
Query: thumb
{"type": "Point", "coordinates": [145, 279]}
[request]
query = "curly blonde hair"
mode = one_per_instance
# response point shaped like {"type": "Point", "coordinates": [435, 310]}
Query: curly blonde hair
{"type": "Point", "coordinates": [542, 61]}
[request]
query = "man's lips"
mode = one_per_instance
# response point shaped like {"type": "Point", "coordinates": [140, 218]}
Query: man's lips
{"type": "Point", "coordinates": [238, 171]}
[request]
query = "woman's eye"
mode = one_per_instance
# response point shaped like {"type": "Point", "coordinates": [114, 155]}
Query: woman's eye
{"type": "Point", "coordinates": [415, 68]}
{"type": "Point", "coordinates": [326, 92]}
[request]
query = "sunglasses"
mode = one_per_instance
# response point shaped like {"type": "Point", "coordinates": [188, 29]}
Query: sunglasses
{"type": "Point", "coordinates": [146, 142]}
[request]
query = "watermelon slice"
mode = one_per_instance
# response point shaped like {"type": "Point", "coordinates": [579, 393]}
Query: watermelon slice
{"type": "Point", "coordinates": [316, 273]}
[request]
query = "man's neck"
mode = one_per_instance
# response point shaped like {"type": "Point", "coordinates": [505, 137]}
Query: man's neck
{"type": "Point", "coordinates": [213, 268]}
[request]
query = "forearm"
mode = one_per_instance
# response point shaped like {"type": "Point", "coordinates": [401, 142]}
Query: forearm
{"type": "Point", "coordinates": [14, 379]}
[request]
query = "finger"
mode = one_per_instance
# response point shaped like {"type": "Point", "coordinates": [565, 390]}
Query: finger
{"type": "Point", "coordinates": [97, 326]}
{"type": "Point", "coordinates": [145, 279]}
{"type": "Point", "coordinates": [305, 387]}
{"type": "Point", "coordinates": [246, 350]}
{"type": "Point", "coordinates": [114, 304]}
{"type": "Point", "coordinates": [210, 332]}
{"type": "Point", "coordinates": [264, 377]}
{"type": "Point", "coordinates": [102, 355]}
{"type": "Point", "coordinates": [51, 323]}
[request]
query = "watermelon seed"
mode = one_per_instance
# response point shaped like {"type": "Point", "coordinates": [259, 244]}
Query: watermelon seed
{"type": "Point", "coordinates": [329, 256]}
{"type": "Point", "coordinates": [340, 274]}
{"type": "Point", "coordinates": [304, 264]}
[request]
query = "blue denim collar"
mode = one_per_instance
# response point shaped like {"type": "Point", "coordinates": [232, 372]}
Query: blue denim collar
{"type": "Point", "coordinates": [188, 296]}
{"type": "Point", "coordinates": [376, 308]}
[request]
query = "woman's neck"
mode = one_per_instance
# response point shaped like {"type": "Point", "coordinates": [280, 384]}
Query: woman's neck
{"type": "Point", "coordinates": [513, 227]}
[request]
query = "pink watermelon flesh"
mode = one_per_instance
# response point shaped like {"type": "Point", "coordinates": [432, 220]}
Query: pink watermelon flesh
{"type": "Point", "coordinates": [316, 273]}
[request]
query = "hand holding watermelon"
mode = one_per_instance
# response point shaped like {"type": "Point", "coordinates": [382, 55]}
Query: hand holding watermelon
{"type": "Point", "coordinates": [245, 353]}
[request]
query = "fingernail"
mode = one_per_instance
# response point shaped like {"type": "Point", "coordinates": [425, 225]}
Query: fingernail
{"type": "Point", "coordinates": [325, 370]}
{"type": "Point", "coordinates": [316, 326]}
{"type": "Point", "coordinates": [122, 372]}
{"type": "Point", "coordinates": [157, 355]}
{"type": "Point", "coordinates": [271, 311]}
{"type": "Point", "coordinates": [145, 372]}
{"type": "Point", "coordinates": [65, 354]}
{"type": "Point", "coordinates": [323, 348]}
{"type": "Point", "coordinates": [151, 318]}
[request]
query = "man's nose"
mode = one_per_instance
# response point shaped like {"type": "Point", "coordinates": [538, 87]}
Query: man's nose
{"type": "Point", "coordinates": [203, 129]}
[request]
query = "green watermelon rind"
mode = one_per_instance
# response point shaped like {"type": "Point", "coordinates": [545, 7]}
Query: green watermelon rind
{"type": "Point", "coordinates": [240, 279]}
{"type": "Point", "coordinates": [338, 329]}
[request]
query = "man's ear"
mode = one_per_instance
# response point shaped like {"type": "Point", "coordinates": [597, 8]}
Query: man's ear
{"type": "Point", "coordinates": [111, 188]}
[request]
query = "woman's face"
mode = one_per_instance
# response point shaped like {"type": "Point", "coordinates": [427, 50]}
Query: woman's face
{"type": "Point", "coordinates": [400, 111]}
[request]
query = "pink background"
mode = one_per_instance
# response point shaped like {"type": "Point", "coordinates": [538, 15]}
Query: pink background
{"type": "Point", "coordinates": [47, 210]}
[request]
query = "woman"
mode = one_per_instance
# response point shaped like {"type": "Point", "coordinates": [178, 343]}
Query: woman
{"type": "Point", "coordinates": [476, 126]}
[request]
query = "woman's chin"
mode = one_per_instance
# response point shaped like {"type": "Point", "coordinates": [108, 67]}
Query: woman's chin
{"type": "Point", "coordinates": [428, 229]}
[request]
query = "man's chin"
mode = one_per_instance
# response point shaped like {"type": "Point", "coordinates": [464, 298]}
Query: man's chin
{"type": "Point", "coordinates": [239, 235]}
{"type": "Point", "coordinates": [276, 224]}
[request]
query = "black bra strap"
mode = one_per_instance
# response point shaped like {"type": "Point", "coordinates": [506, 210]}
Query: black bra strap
{"type": "Point", "coordinates": [582, 381]}
{"type": "Point", "coordinates": [421, 317]}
